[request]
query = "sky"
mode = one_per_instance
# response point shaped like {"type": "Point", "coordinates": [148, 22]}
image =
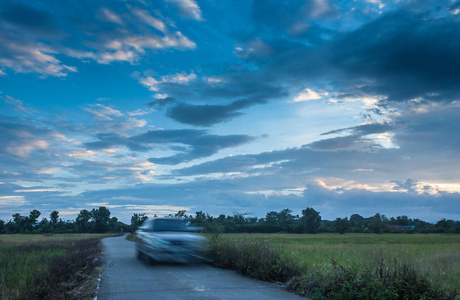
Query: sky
{"type": "Point", "coordinates": [228, 106]}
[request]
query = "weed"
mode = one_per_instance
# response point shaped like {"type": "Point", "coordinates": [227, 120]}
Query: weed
{"type": "Point", "coordinates": [352, 267]}
{"type": "Point", "coordinates": [48, 268]}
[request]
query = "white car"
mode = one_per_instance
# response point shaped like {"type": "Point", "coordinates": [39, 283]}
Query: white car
{"type": "Point", "coordinates": [169, 240]}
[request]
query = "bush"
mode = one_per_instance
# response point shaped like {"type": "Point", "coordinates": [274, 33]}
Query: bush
{"type": "Point", "coordinates": [385, 281]}
{"type": "Point", "coordinates": [257, 258]}
{"type": "Point", "coordinates": [262, 259]}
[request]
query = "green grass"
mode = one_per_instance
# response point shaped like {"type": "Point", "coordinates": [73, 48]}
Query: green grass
{"type": "Point", "coordinates": [434, 257]}
{"type": "Point", "coordinates": [34, 266]}
{"type": "Point", "coordinates": [131, 237]}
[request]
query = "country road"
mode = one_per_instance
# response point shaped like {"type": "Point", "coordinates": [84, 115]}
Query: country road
{"type": "Point", "coordinates": [126, 277]}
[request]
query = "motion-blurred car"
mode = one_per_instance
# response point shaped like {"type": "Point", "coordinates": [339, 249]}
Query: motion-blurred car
{"type": "Point", "coordinates": [169, 240]}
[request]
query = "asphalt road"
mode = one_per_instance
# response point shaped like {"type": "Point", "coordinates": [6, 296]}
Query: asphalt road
{"type": "Point", "coordinates": [126, 277]}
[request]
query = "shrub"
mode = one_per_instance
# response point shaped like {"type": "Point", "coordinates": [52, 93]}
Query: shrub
{"type": "Point", "coordinates": [384, 281]}
{"type": "Point", "coordinates": [257, 258]}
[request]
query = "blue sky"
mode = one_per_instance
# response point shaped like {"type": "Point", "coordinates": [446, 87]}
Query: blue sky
{"type": "Point", "coordinates": [230, 107]}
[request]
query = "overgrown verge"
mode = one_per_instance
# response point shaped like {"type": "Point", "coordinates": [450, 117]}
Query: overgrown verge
{"type": "Point", "coordinates": [257, 258]}
{"type": "Point", "coordinates": [50, 270]}
{"type": "Point", "coordinates": [265, 260]}
{"type": "Point", "coordinates": [131, 237]}
{"type": "Point", "coordinates": [386, 280]}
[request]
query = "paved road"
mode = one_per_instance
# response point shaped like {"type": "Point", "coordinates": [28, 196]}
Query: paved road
{"type": "Point", "coordinates": [126, 277]}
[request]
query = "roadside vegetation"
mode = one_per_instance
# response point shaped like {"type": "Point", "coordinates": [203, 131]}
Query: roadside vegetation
{"type": "Point", "coordinates": [64, 266]}
{"type": "Point", "coordinates": [359, 257]}
{"type": "Point", "coordinates": [353, 266]}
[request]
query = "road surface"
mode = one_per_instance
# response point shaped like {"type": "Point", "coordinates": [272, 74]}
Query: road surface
{"type": "Point", "coordinates": [126, 277]}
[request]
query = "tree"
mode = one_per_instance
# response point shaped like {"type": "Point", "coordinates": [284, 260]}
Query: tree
{"type": "Point", "coordinates": [101, 218]}
{"type": "Point", "coordinates": [54, 218]}
{"type": "Point", "coordinates": [113, 224]}
{"type": "Point", "coordinates": [342, 225]}
{"type": "Point", "coordinates": [356, 218]}
{"type": "Point", "coordinates": [82, 220]}
{"type": "Point", "coordinates": [33, 216]}
{"type": "Point", "coordinates": [199, 220]}
{"type": "Point", "coordinates": [378, 223]}
{"type": "Point", "coordinates": [44, 226]}
{"type": "Point", "coordinates": [19, 223]}
{"type": "Point", "coordinates": [137, 220]}
{"type": "Point", "coordinates": [181, 214]}
{"type": "Point", "coordinates": [311, 220]}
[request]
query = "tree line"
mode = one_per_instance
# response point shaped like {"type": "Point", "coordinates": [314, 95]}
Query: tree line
{"type": "Point", "coordinates": [99, 220]}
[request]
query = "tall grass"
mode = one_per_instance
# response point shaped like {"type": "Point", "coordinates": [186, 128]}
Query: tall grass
{"type": "Point", "coordinates": [47, 267]}
{"type": "Point", "coordinates": [355, 263]}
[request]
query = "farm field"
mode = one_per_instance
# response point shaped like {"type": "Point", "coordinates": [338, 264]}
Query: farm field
{"type": "Point", "coordinates": [434, 257]}
{"type": "Point", "coordinates": [47, 266]}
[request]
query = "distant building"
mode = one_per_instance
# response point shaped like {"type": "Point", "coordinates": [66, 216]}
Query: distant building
{"type": "Point", "coordinates": [400, 227]}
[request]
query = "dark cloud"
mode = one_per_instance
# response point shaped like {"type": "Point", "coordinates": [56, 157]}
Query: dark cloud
{"type": "Point", "coordinates": [197, 143]}
{"type": "Point", "coordinates": [28, 17]}
{"type": "Point", "coordinates": [408, 185]}
{"type": "Point", "coordinates": [401, 54]}
{"type": "Point", "coordinates": [455, 6]}
{"type": "Point", "coordinates": [208, 115]}
{"type": "Point", "coordinates": [357, 140]}
{"type": "Point", "coordinates": [108, 140]}
{"type": "Point", "coordinates": [162, 102]}
{"type": "Point", "coordinates": [365, 129]}
{"type": "Point", "coordinates": [424, 142]}
{"type": "Point", "coordinates": [19, 140]}
{"type": "Point", "coordinates": [250, 88]}
{"type": "Point", "coordinates": [350, 142]}
{"type": "Point", "coordinates": [292, 17]}
{"type": "Point", "coordinates": [433, 129]}
{"type": "Point", "coordinates": [404, 55]}
{"type": "Point", "coordinates": [200, 146]}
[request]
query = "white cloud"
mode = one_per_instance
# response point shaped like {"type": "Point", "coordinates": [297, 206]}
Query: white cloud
{"type": "Point", "coordinates": [308, 95]}
{"type": "Point", "coordinates": [28, 57]}
{"type": "Point", "coordinates": [150, 83]}
{"type": "Point", "coordinates": [368, 102]}
{"type": "Point", "coordinates": [109, 16]}
{"type": "Point", "coordinates": [137, 123]}
{"type": "Point", "coordinates": [147, 18]}
{"type": "Point", "coordinates": [153, 84]}
{"type": "Point", "coordinates": [35, 190]}
{"type": "Point", "coordinates": [160, 96]}
{"type": "Point", "coordinates": [120, 55]}
{"type": "Point", "coordinates": [179, 78]}
{"type": "Point", "coordinates": [25, 148]}
{"type": "Point", "coordinates": [320, 7]}
{"type": "Point", "coordinates": [140, 112]}
{"type": "Point", "coordinates": [12, 201]}
{"type": "Point", "coordinates": [48, 171]}
{"type": "Point", "coordinates": [82, 153]}
{"type": "Point", "coordinates": [18, 104]}
{"type": "Point", "coordinates": [136, 31]}
{"type": "Point", "coordinates": [102, 112]}
{"type": "Point", "coordinates": [188, 8]}
{"type": "Point", "coordinates": [213, 80]}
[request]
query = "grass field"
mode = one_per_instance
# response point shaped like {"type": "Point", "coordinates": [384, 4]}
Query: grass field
{"type": "Point", "coordinates": [434, 257]}
{"type": "Point", "coordinates": [47, 266]}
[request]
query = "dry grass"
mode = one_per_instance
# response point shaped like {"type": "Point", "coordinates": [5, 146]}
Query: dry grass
{"type": "Point", "coordinates": [48, 267]}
